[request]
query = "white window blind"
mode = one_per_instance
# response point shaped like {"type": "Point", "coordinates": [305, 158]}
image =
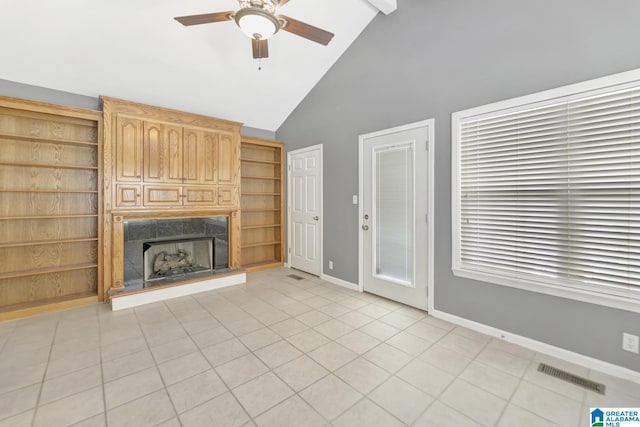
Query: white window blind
{"type": "Point", "coordinates": [550, 195]}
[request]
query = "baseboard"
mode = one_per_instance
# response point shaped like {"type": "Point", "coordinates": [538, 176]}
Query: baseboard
{"type": "Point", "coordinates": [134, 300]}
{"type": "Point", "coordinates": [286, 265]}
{"type": "Point", "coordinates": [339, 282]}
{"type": "Point", "coordinates": [540, 347]}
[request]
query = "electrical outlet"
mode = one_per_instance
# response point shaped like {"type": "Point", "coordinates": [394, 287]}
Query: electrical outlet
{"type": "Point", "coordinates": [355, 199]}
{"type": "Point", "coordinates": [331, 267]}
{"type": "Point", "coordinates": [630, 343]}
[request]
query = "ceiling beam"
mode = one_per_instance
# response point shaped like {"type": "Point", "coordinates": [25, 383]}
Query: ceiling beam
{"type": "Point", "coordinates": [385, 6]}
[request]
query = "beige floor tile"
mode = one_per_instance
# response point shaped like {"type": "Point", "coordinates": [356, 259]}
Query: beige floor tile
{"type": "Point", "coordinates": [17, 401]}
{"type": "Point", "coordinates": [515, 416]}
{"type": "Point", "coordinates": [388, 357]}
{"type": "Point", "coordinates": [505, 362]}
{"type": "Point", "coordinates": [373, 310]}
{"type": "Point", "coordinates": [123, 348]}
{"type": "Point", "coordinates": [196, 390]}
{"type": "Point", "coordinates": [123, 366]}
{"type": "Point", "coordinates": [223, 411]}
{"type": "Point", "coordinates": [398, 320]}
{"type": "Point", "coordinates": [224, 352]}
{"type": "Point", "coordinates": [401, 399]}
{"type": "Point", "coordinates": [355, 319]}
{"type": "Point", "coordinates": [296, 309]}
{"type": "Point", "coordinates": [241, 370]}
{"type": "Point", "coordinates": [69, 384]}
{"type": "Point", "coordinates": [201, 324]}
{"type": "Point", "coordinates": [244, 326]}
{"type": "Point", "coordinates": [99, 420]}
{"type": "Point", "coordinates": [131, 387]}
{"type": "Point", "coordinates": [173, 349]}
{"type": "Point", "coordinates": [613, 398]}
{"type": "Point", "coordinates": [313, 318]}
{"type": "Point", "coordinates": [365, 413]}
{"type": "Point", "coordinates": [426, 377]}
{"type": "Point", "coordinates": [408, 343]}
{"type": "Point", "coordinates": [334, 309]}
{"type": "Point", "coordinates": [278, 353]}
{"type": "Point", "coordinates": [379, 330]}
{"type": "Point", "coordinates": [301, 372]}
{"type": "Point", "coordinates": [173, 422]}
{"type": "Point", "coordinates": [332, 355]}
{"type": "Point", "coordinates": [330, 396]}
{"type": "Point", "coordinates": [183, 367]}
{"type": "Point", "coordinates": [212, 336]}
{"type": "Point", "coordinates": [288, 327]}
{"type": "Point", "coordinates": [317, 302]}
{"type": "Point", "coordinates": [262, 393]}
{"type": "Point", "coordinates": [260, 338]}
{"type": "Point", "coordinates": [613, 383]}
{"type": "Point", "coordinates": [548, 404]}
{"type": "Point", "coordinates": [566, 388]}
{"type": "Point", "coordinates": [293, 412]}
{"type": "Point", "coordinates": [477, 404]}
{"type": "Point", "coordinates": [72, 363]}
{"type": "Point", "coordinates": [489, 379]}
{"type": "Point", "coordinates": [445, 359]}
{"type": "Point", "coordinates": [467, 347]}
{"type": "Point", "coordinates": [148, 410]}
{"type": "Point", "coordinates": [308, 340]}
{"type": "Point", "coordinates": [14, 378]}
{"type": "Point", "coordinates": [440, 415]}
{"type": "Point", "coordinates": [333, 329]}
{"type": "Point", "coordinates": [21, 420]}
{"type": "Point", "coordinates": [511, 348]}
{"type": "Point", "coordinates": [71, 409]}
{"type": "Point", "coordinates": [271, 316]}
{"type": "Point", "coordinates": [362, 375]}
{"type": "Point", "coordinates": [358, 342]}
{"type": "Point", "coordinates": [427, 331]}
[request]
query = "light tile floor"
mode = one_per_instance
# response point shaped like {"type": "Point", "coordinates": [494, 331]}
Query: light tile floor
{"type": "Point", "coordinates": [279, 352]}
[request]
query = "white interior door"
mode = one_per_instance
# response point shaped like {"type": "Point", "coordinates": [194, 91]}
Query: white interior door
{"type": "Point", "coordinates": [305, 209]}
{"type": "Point", "coordinates": [394, 219]}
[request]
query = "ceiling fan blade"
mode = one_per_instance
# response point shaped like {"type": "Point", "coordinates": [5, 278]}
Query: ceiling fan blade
{"type": "Point", "coordinates": [260, 48]}
{"type": "Point", "coordinates": [206, 18]}
{"type": "Point", "coordinates": [307, 31]}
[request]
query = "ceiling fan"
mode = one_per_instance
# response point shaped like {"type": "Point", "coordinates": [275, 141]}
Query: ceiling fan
{"type": "Point", "coordinates": [258, 20]}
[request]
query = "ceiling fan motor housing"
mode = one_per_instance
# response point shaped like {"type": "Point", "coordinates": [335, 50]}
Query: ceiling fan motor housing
{"type": "Point", "coordinates": [257, 23]}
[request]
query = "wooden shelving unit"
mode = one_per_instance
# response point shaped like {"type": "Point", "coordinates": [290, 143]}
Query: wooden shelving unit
{"type": "Point", "coordinates": [49, 207]}
{"type": "Point", "coordinates": [262, 172]}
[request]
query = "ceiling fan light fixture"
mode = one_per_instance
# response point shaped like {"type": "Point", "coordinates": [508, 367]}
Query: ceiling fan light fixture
{"type": "Point", "coordinates": [256, 23]}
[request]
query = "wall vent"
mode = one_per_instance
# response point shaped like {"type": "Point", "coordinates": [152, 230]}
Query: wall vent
{"type": "Point", "coordinates": [573, 379]}
{"type": "Point", "coordinates": [295, 277]}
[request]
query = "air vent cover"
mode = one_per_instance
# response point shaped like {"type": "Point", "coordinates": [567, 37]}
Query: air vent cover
{"type": "Point", "coordinates": [573, 379]}
{"type": "Point", "coordinates": [295, 277]}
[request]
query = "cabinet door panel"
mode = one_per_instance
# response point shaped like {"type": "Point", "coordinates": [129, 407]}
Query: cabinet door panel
{"type": "Point", "coordinates": [192, 139]}
{"type": "Point", "coordinates": [162, 153]}
{"type": "Point", "coordinates": [162, 195]}
{"type": "Point", "coordinates": [128, 149]}
{"type": "Point", "coordinates": [202, 196]}
{"type": "Point", "coordinates": [208, 161]}
{"type": "Point", "coordinates": [225, 162]}
{"type": "Point", "coordinates": [128, 195]}
{"type": "Point", "coordinates": [227, 196]}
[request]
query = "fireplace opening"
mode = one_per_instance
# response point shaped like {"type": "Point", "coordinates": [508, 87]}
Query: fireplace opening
{"type": "Point", "coordinates": [165, 251]}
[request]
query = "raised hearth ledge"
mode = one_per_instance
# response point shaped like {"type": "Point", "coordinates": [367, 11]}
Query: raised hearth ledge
{"type": "Point", "coordinates": [162, 293]}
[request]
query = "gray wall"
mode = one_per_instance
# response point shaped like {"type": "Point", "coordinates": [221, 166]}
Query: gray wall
{"type": "Point", "coordinates": [39, 93]}
{"type": "Point", "coordinates": [429, 59]}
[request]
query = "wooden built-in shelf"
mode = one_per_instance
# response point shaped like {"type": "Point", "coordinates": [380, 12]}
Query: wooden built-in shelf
{"type": "Point", "coordinates": [48, 165]}
{"type": "Point", "coordinates": [48, 216]}
{"type": "Point", "coordinates": [32, 190]}
{"type": "Point", "coordinates": [46, 140]}
{"type": "Point", "coordinates": [254, 227]}
{"type": "Point", "coordinates": [261, 198]}
{"type": "Point", "coordinates": [258, 244]}
{"type": "Point", "coordinates": [41, 271]}
{"type": "Point", "coordinates": [31, 308]}
{"type": "Point", "coordinates": [46, 242]}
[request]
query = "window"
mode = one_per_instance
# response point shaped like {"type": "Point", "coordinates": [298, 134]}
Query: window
{"type": "Point", "coordinates": [546, 192]}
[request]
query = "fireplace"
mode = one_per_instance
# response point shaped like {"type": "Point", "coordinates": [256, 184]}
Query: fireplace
{"type": "Point", "coordinates": [166, 251]}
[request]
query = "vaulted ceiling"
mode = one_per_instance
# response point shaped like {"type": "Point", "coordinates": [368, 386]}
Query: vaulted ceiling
{"type": "Point", "coordinates": [135, 50]}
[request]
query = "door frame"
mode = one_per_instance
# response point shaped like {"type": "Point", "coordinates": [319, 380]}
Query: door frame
{"type": "Point", "coordinates": [429, 124]}
{"type": "Point", "coordinates": [289, 199]}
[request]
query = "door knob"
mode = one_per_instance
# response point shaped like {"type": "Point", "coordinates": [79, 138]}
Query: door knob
{"type": "Point", "coordinates": [315, 218]}
{"type": "Point", "coordinates": [365, 227]}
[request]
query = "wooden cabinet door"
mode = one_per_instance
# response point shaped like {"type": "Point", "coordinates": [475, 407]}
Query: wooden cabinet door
{"type": "Point", "coordinates": [227, 196]}
{"type": "Point", "coordinates": [128, 195]}
{"type": "Point", "coordinates": [199, 196]}
{"type": "Point", "coordinates": [192, 141]}
{"type": "Point", "coordinates": [162, 153]}
{"type": "Point", "coordinates": [226, 162]}
{"type": "Point", "coordinates": [128, 155]}
{"type": "Point", "coordinates": [162, 195]}
{"type": "Point", "coordinates": [208, 164]}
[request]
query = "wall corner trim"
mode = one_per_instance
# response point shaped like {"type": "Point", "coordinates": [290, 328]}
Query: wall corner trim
{"type": "Point", "coordinates": [540, 347]}
{"type": "Point", "coordinates": [340, 282]}
{"type": "Point", "coordinates": [385, 6]}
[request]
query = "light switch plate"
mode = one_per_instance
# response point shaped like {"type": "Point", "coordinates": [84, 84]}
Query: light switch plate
{"type": "Point", "coordinates": [355, 199]}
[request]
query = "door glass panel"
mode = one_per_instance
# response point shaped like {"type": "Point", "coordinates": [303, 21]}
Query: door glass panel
{"type": "Point", "coordinates": [393, 210]}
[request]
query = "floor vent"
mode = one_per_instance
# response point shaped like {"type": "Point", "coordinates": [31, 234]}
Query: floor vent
{"type": "Point", "coordinates": [573, 379]}
{"type": "Point", "coordinates": [295, 277]}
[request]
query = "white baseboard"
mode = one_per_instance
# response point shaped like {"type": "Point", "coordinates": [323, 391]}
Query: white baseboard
{"type": "Point", "coordinates": [286, 265]}
{"type": "Point", "coordinates": [339, 282]}
{"type": "Point", "coordinates": [540, 347]}
{"type": "Point", "coordinates": [134, 300]}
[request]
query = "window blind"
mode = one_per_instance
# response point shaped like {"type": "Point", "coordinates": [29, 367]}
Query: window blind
{"type": "Point", "coordinates": [552, 193]}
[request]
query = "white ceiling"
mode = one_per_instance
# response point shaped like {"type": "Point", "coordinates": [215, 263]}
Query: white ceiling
{"type": "Point", "coordinates": [136, 51]}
